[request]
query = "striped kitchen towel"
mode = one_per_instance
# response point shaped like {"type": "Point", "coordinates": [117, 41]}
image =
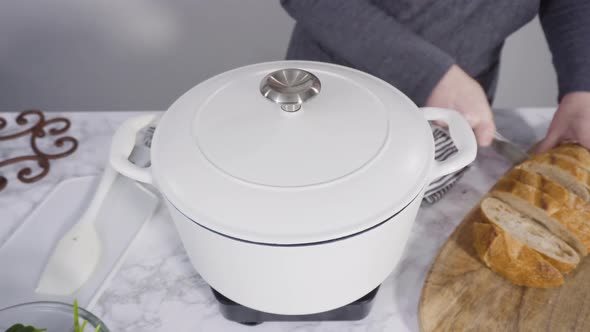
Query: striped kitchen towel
{"type": "Point", "coordinates": [444, 148]}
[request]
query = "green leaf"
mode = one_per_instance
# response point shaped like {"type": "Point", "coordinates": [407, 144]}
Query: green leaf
{"type": "Point", "coordinates": [16, 328]}
{"type": "Point", "coordinates": [83, 326]}
{"type": "Point", "coordinates": [97, 328]}
{"type": "Point", "coordinates": [22, 328]}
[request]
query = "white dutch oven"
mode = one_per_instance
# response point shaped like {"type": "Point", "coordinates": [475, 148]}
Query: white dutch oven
{"type": "Point", "coordinates": [294, 185]}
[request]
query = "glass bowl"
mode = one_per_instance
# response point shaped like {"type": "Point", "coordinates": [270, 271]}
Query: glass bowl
{"type": "Point", "coordinates": [53, 316]}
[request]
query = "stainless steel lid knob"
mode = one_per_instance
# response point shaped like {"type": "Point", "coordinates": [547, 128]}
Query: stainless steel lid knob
{"type": "Point", "coordinates": [290, 87]}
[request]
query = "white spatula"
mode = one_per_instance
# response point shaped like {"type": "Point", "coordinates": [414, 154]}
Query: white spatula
{"type": "Point", "coordinates": [78, 252]}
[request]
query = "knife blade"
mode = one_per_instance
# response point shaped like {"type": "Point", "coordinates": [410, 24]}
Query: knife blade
{"type": "Point", "coordinates": [508, 149]}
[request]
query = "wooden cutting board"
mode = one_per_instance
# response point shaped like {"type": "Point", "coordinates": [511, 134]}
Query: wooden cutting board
{"type": "Point", "coordinates": [462, 294]}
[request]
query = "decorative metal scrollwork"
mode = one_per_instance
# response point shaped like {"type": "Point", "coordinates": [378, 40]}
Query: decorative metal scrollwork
{"type": "Point", "coordinates": [37, 127]}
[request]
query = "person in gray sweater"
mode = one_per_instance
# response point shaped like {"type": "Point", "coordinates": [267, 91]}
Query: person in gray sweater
{"type": "Point", "coordinates": [446, 53]}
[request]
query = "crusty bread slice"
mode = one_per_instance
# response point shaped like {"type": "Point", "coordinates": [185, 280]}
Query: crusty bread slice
{"type": "Point", "coordinates": [551, 188]}
{"type": "Point", "coordinates": [561, 171]}
{"type": "Point", "coordinates": [575, 153]}
{"type": "Point", "coordinates": [520, 229]}
{"type": "Point", "coordinates": [518, 248]}
{"type": "Point", "coordinates": [513, 260]}
{"type": "Point", "coordinates": [530, 201]}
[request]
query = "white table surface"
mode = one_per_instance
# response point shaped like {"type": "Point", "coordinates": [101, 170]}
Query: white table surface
{"type": "Point", "coordinates": [157, 289]}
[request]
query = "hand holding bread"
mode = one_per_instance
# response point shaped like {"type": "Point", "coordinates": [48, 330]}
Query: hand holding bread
{"type": "Point", "coordinates": [570, 122]}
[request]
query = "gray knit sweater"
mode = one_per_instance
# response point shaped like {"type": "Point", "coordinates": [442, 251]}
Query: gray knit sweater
{"type": "Point", "coordinates": [412, 43]}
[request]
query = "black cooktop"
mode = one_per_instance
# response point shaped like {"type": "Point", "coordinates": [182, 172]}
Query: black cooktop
{"type": "Point", "coordinates": [236, 312]}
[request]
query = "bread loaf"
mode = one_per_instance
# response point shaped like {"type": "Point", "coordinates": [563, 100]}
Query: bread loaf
{"type": "Point", "coordinates": [574, 153]}
{"type": "Point", "coordinates": [534, 224]}
{"type": "Point", "coordinates": [566, 223]}
{"type": "Point", "coordinates": [562, 171]}
{"type": "Point", "coordinates": [518, 248]}
{"type": "Point", "coordinates": [550, 187]}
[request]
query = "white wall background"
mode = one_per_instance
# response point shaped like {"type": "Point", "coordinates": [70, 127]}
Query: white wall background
{"type": "Point", "coordinates": [142, 54]}
{"type": "Point", "coordinates": [527, 77]}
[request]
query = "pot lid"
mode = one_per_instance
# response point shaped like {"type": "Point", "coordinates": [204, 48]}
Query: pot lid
{"type": "Point", "coordinates": [291, 152]}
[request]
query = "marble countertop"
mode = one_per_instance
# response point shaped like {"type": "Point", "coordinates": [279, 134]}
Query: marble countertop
{"type": "Point", "coordinates": [157, 289]}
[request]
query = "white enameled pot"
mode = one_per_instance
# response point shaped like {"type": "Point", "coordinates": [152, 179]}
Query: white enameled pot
{"type": "Point", "coordinates": [293, 184]}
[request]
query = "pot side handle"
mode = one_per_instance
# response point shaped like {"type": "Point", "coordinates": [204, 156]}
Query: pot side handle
{"type": "Point", "coordinates": [122, 144]}
{"type": "Point", "coordinates": [462, 136]}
